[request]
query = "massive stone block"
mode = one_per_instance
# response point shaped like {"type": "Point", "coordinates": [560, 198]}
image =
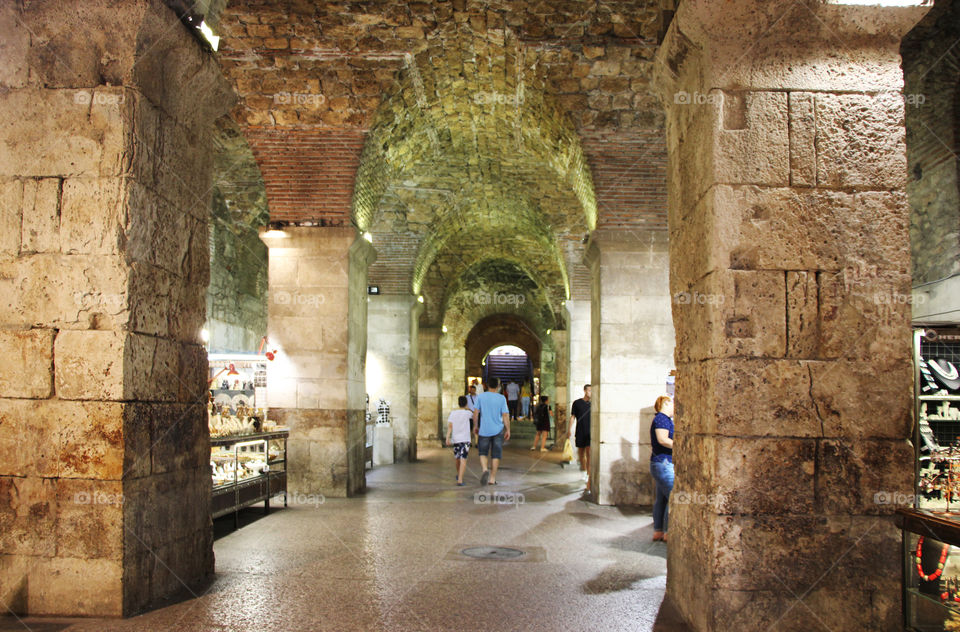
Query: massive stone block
{"type": "Point", "coordinates": [317, 318]}
{"type": "Point", "coordinates": [787, 444]}
{"type": "Point", "coordinates": [104, 180]}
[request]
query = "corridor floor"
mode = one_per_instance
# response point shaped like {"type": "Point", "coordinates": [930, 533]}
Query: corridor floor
{"type": "Point", "coordinates": [391, 560]}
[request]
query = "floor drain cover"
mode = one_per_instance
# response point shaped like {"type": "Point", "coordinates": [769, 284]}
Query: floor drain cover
{"type": "Point", "coordinates": [493, 553]}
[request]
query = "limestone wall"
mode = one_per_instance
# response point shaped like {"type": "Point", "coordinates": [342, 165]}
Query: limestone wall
{"type": "Point", "coordinates": [105, 173]}
{"type": "Point", "coordinates": [632, 347]}
{"type": "Point", "coordinates": [788, 215]}
{"type": "Point", "coordinates": [388, 367]}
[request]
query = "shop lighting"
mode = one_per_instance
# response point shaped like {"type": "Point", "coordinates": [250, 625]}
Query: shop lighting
{"type": "Point", "coordinates": [210, 37]}
{"type": "Point", "coordinates": [230, 369]}
{"type": "Point", "coordinates": [420, 299]}
{"type": "Point", "coordinates": [444, 329]}
{"type": "Point", "coordinates": [368, 237]}
{"type": "Point", "coordinates": [548, 331]}
{"type": "Point", "coordinates": [204, 336]}
{"type": "Point", "coordinates": [373, 289]}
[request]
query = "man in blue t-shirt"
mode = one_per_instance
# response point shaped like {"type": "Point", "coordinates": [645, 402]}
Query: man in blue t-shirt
{"type": "Point", "coordinates": [493, 429]}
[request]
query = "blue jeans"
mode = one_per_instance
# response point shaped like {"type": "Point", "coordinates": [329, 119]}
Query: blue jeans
{"type": "Point", "coordinates": [525, 404]}
{"type": "Point", "coordinates": [493, 444]}
{"type": "Point", "coordinates": [662, 472]}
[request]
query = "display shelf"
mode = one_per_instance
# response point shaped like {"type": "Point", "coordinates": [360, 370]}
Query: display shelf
{"type": "Point", "coordinates": [931, 570]}
{"type": "Point", "coordinates": [936, 356]}
{"type": "Point", "coordinates": [232, 496]}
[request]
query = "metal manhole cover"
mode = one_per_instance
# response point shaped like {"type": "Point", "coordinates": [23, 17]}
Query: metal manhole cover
{"type": "Point", "coordinates": [493, 553]}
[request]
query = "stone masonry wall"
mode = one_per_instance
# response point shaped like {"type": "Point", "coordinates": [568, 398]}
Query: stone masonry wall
{"type": "Point", "coordinates": [789, 236]}
{"type": "Point", "coordinates": [105, 172]}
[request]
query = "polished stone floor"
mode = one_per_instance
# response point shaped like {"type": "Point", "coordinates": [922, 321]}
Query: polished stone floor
{"type": "Point", "coordinates": [392, 560]}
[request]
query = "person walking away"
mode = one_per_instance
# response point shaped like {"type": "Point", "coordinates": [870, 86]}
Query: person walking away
{"type": "Point", "coordinates": [525, 400]}
{"type": "Point", "coordinates": [513, 395]}
{"type": "Point", "coordinates": [458, 435]}
{"type": "Point", "coordinates": [661, 463]}
{"type": "Point", "coordinates": [491, 420]}
{"type": "Point", "coordinates": [541, 416]}
{"type": "Point", "coordinates": [580, 428]}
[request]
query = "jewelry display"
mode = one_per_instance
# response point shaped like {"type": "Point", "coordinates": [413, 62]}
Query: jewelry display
{"type": "Point", "coordinates": [935, 574]}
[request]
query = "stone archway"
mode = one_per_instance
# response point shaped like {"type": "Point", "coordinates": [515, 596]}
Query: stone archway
{"type": "Point", "coordinates": [496, 330]}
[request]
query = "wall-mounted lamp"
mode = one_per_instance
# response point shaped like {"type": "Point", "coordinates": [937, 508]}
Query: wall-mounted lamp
{"type": "Point", "coordinates": [368, 237]}
{"type": "Point", "coordinates": [548, 331]}
{"type": "Point", "coordinates": [275, 229]}
{"type": "Point", "coordinates": [420, 299]}
{"type": "Point", "coordinates": [444, 329]}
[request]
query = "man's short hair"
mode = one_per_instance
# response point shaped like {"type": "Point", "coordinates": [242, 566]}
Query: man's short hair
{"type": "Point", "coordinates": [473, 387]}
{"type": "Point", "coordinates": [462, 401]}
{"type": "Point", "coordinates": [586, 386]}
{"type": "Point", "coordinates": [492, 383]}
{"type": "Point", "coordinates": [543, 399]}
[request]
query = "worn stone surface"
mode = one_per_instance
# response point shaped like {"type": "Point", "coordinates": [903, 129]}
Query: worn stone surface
{"type": "Point", "coordinates": [787, 449]}
{"type": "Point", "coordinates": [632, 344]}
{"type": "Point", "coordinates": [105, 171]}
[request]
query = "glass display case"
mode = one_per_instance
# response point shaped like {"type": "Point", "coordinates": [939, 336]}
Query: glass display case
{"type": "Point", "coordinates": [937, 401]}
{"type": "Point", "coordinates": [246, 470]}
{"type": "Point", "coordinates": [931, 571]}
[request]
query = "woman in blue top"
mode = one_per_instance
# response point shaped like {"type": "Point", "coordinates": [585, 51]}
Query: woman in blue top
{"type": "Point", "coordinates": [661, 463]}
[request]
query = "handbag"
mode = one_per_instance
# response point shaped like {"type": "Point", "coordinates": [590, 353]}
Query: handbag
{"type": "Point", "coordinates": [567, 451]}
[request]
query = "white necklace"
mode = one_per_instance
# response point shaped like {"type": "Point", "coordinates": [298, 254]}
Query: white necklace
{"type": "Point", "coordinates": [948, 373]}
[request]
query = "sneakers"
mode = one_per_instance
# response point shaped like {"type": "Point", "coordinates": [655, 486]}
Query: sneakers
{"type": "Point", "coordinates": [485, 477]}
{"type": "Point", "coordinates": [543, 449]}
{"type": "Point", "coordinates": [533, 447]}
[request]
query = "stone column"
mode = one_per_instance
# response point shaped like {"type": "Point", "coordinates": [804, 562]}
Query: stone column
{"type": "Point", "coordinates": [789, 248]}
{"type": "Point", "coordinates": [317, 320]}
{"type": "Point", "coordinates": [453, 376]}
{"type": "Point", "coordinates": [105, 173]}
{"type": "Point", "coordinates": [561, 389]}
{"type": "Point", "coordinates": [388, 366]}
{"type": "Point", "coordinates": [428, 388]}
{"type": "Point", "coordinates": [579, 363]}
{"type": "Point", "coordinates": [632, 348]}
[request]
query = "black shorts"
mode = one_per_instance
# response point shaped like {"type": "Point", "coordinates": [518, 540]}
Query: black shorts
{"type": "Point", "coordinates": [582, 441]}
{"type": "Point", "coordinates": [543, 426]}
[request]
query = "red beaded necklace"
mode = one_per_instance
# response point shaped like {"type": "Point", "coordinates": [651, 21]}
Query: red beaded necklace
{"type": "Point", "coordinates": [935, 574]}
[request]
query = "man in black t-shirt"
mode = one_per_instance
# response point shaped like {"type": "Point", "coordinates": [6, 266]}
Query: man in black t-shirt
{"type": "Point", "coordinates": [580, 416]}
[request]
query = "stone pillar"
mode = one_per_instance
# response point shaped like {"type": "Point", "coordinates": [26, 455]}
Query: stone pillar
{"type": "Point", "coordinates": [453, 367]}
{"type": "Point", "coordinates": [428, 387]}
{"type": "Point", "coordinates": [632, 348]}
{"type": "Point", "coordinates": [579, 363]}
{"type": "Point", "coordinates": [560, 395]}
{"type": "Point", "coordinates": [789, 265]}
{"type": "Point", "coordinates": [105, 173]}
{"type": "Point", "coordinates": [388, 366]}
{"type": "Point", "coordinates": [317, 320]}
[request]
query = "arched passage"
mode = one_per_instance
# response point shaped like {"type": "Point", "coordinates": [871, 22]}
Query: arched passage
{"type": "Point", "coordinates": [496, 330]}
